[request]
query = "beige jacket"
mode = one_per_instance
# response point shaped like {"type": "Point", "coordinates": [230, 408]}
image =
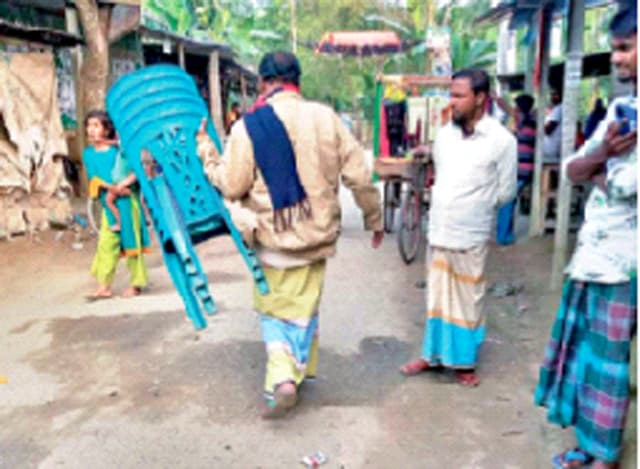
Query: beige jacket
{"type": "Point", "coordinates": [326, 154]}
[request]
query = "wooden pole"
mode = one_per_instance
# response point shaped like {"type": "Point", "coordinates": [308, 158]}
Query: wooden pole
{"type": "Point", "coordinates": [536, 223]}
{"type": "Point", "coordinates": [528, 77]}
{"type": "Point", "coordinates": [215, 95]}
{"type": "Point", "coordinates": [73, 26]}
{"type": "Point", "coordinates": [428, 14]}
{"type": "Point", "coordinates": [243, 90]}
{"type": "Point", "coordinates": [570, 102]}
{"type": "Point", "coordinates": [182, 60]}
{"type": "Point", "coordinates": [294, 27]}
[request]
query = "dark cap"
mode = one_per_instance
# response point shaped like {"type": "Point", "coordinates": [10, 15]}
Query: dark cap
{"type": "Point", "coordinates": [280, 65]}
{"type": "Point", "coordinates": [625, 22]}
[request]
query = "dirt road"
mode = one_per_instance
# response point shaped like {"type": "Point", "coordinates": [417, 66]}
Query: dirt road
{"type": "Point", "coordinates": [128, 383]}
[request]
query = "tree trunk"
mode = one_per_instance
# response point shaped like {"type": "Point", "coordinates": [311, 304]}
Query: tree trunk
{"type": "Point", "coordinates": [95, 66]}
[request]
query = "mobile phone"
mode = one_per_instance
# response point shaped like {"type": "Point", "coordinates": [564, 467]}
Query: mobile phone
{"type": "Point", "coordinates": [628, 117]}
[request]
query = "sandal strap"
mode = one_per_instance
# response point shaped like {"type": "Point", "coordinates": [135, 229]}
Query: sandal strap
{"type": "Point", "coordinates": [570, 457]}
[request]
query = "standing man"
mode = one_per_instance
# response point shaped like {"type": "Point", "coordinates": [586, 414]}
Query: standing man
{"type": "Point", "coordinates": [475, 161]}
{"type": "Point", "coordinates": [526, 138]}
{"type": "Point", "coordinates": [584, 379]}
{"type": "Point", "coordinates": [552, 143]}
{"type": "Point", "coordinates": [285, 161]}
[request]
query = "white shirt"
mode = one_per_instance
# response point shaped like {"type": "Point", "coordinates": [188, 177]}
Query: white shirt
{"type": "Point", "coordinates": [606, 251]}
{"type": "Point", "coordinates": [552, 143]}
{"type": "Point", "coordinates": [474, 176]}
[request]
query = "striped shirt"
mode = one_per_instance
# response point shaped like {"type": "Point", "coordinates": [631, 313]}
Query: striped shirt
{"type": "Point", "coordinates": [526, 136]}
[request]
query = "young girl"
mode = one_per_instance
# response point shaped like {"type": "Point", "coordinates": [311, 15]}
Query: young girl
{"type": "Point", "coordinates": [104, 164]}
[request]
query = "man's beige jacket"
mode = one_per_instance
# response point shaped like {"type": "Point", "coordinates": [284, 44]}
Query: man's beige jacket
{"type": "Point", "coordinates": [326, 154]}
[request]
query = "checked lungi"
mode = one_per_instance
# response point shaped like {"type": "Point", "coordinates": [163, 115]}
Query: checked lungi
{"type": "Point", "coordinates": [584, 379]}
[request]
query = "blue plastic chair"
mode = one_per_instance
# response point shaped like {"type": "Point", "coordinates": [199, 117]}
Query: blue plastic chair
{"type": "Point", "coordinates": [159, 109]}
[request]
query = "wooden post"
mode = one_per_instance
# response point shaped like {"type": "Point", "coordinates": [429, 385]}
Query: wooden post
{"type": "Point", "coordinates": [243, 90]}
{"type": "Point", "coordinates": [215, 97]}
{"type": "Point", "coordinates": [182, 61]}
{"type": "Point", "coordinates": [528, 77]}
{"type": "Point", "coordinates": [73, 26]}
{"type": "Point", "coordinates": [428, 14]}
{"type": "Point", "coordinates": [571, 97]}
{"type": "Point", "coordinates": [536, 222]}
{"type": "Point", "coordinates": [294, 27]}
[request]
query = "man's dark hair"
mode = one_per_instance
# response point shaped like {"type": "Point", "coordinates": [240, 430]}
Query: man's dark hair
{"type": "Point", "coordinates": [103, 117]}
{"type": "Point", "coordinates": [280, 65]}
{"type": "Point", "coordinates": [524, 103]}
{"type": "Point", "coordinates": [625, 22]}
{"type": "Point", "coordinates": [479, 79]}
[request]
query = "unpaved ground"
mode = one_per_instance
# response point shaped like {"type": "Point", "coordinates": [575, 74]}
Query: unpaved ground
{"type": "Point", "coordinates": [130, 384]}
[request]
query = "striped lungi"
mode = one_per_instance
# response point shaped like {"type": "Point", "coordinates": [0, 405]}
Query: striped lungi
{"type": "Point", "coordinates": [584, 379]}
{"type": "Point", "coordinates": [289, 321]}
{"type": "Point", "coordinates": [455, 323]}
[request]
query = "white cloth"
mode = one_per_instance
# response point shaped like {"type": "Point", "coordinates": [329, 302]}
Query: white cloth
{"type": "Point", "coordinates": [552, 144]}
{"type": "Point", "coordinates": [606, 251]}
{"type": "Point", "coordinates": [474, 176]}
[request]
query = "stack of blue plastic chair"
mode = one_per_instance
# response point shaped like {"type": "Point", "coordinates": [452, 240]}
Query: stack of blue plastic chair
{"type": "Point", "coordinates": [158, 110]}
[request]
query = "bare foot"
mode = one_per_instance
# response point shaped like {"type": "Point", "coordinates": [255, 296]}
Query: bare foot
{"type": "Point", "coordinates": [131, 292]}
{"type": "Point", "coordinates": [101, 293]}
{"type": "Point", "coordinates": [417, 366]}
{"type": "Point", "coordinates": [604, 465]}
{"type": "Point", "coordinates": [284, 398]}
{"type": "Point", "coordinates": [467, 378]}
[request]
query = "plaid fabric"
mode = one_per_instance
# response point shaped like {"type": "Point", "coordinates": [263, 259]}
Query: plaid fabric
{"type": "Point", "coordinates": [584, 379]}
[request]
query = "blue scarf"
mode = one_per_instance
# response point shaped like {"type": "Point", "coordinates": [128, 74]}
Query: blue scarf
{"type": "Point", "coordinates": [276, 160]}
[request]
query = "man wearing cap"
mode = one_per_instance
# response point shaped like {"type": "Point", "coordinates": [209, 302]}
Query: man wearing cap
{"type": "Point", "coordinates": [584, 379]}
{"type": "Point", "coordinates": [284, 161]}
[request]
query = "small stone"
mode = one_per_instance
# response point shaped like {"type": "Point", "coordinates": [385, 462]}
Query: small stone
{"type": "Point", "coordinates": [113, 393]}
{"type": "Point", "coordinates": [227, 447]}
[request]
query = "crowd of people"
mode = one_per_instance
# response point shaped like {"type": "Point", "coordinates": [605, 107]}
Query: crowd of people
{"type": "Point", "coordinates": [285, 159]}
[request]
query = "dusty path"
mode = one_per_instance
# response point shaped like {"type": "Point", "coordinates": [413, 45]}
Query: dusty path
{"type": "Point", "coordinates": [130, 384]}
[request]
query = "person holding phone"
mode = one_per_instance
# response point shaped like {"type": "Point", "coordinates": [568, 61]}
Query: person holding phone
{"type": "Point", "coordinates": [584, 379]}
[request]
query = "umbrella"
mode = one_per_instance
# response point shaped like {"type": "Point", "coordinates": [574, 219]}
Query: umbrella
{"type": "Point", "coordinates": [361, 43]}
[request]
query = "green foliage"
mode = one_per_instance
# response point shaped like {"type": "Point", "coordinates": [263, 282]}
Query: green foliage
{"type": "Point", "coordinates": [344, 82]}
{"type": "Point", "coordinates": [177, 16]}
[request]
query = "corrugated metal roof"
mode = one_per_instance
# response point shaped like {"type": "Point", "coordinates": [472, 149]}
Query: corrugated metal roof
{"type": "Point", "coordinates": [522, 12]}
{"type": "Point", "coordinates": [49, 36]}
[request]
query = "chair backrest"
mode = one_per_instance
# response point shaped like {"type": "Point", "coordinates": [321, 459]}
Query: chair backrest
{"type": "Point", "coordinates": [159, 109]}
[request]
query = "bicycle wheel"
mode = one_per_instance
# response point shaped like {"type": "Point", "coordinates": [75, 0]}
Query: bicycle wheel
{"type": "Point", "coordinates": [410, 232]}
{"type": "Point", "coordinates": [389, 206]}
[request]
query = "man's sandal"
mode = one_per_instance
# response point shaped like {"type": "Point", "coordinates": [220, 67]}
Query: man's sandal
{"type": "Point", "coordinates": [284, 398]}
{"type": "Point", "coordinates": [417, 366]}
{"type": "Point", "coordinates": [572, 459]}
{"type": "Point", "coordinates": [467, 378]}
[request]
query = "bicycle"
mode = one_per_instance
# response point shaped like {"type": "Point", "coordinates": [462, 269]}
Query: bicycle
{"type": "Point", "coordinates": [414, 208]}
